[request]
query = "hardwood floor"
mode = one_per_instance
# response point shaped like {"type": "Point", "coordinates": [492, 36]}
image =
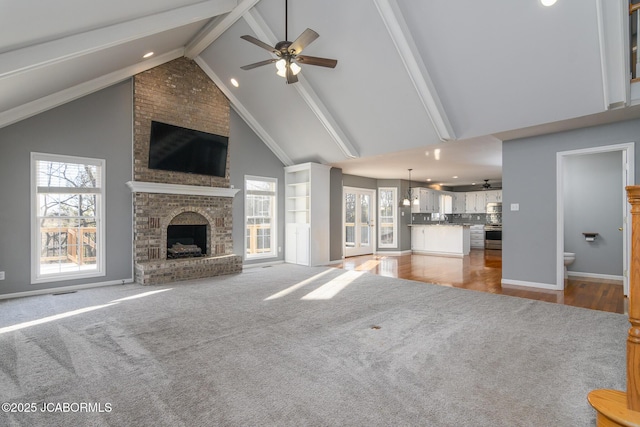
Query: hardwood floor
{"type": "Point", "coordinates": [482, 271]}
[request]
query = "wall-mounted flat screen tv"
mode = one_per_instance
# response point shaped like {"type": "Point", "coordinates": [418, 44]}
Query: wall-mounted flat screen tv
{"type": "Point", "coordinates": [178, 149]}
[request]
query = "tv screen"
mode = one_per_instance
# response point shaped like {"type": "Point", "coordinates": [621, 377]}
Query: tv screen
{"type": "Point", "coordinates": [178, 149]}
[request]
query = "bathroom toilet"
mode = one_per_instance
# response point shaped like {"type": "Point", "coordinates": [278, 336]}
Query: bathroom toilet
{"type": "Point", "coordinates": [569, 257]}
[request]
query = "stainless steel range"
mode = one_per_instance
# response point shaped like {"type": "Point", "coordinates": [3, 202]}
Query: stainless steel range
{"type": "Point", "coordinates": [493, 227]}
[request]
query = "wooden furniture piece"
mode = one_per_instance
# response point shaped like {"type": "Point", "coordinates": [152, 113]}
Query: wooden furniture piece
{"type": "Point", "coordinates": [613, 407]}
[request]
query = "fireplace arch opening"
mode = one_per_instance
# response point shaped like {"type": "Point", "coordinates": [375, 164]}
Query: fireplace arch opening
{"type": "Point", "coordinates": [187, 236]}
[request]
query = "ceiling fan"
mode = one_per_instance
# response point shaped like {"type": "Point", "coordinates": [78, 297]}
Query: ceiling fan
{"type": "Point", "coordinates": [486, 184]}
{"type": "Point", "coordinates": [288, 53]}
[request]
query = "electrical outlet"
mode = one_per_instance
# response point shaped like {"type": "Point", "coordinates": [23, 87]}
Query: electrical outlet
{"type": "Point", "coordinates": [279, 249]}
{"type": "Point", "coordinates": [1, 275]}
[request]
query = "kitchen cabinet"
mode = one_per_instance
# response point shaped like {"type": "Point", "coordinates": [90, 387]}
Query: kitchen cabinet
{"type": "Point", "coordinates": [428, 200]}
{"type": "Point", "coordinates": [475, 202]}
{"type": "Point", "coordinates": [493, 196]}
{"type": "Point", "coordinates": [477, 236]}
{"type": "Point", "coordinates": [459, 202]}
{"type": "Point", "coordinates": [307, 214]}
{"type": "Point", "coordinates": [446, 203]}
{"type": "Point", "coordinates": [443, 240]}
{"type": "Point", "coordinates": [417, 238]}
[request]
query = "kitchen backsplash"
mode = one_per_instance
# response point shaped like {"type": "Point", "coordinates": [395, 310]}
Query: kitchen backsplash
{"type": "Point", "coordinates": [425, 218]}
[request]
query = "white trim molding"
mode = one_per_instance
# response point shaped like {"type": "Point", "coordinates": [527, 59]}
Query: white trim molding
{"type": "Point", "coordinates": [526, 284]}
{"type": "Point", "coordinates": [579, 274]}
{"type": "Point", "coordinates": [63, 289]}
{"type": "Point", "coordinates": [215, 28]}
{"type": "Point", "coordinates": [406, 47]}
{"type": "Point", "coordinates": [191, 190]}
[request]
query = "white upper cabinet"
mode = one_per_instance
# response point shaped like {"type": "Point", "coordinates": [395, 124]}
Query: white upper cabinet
{"type": "Point", "coordinates": [459, 202]}
{"type": "Point", "coordinates": [428, 200]}
{"type": "Point", "coordinates": [493, 196]}
{"type": "Point", "coordinates": [475, 202]}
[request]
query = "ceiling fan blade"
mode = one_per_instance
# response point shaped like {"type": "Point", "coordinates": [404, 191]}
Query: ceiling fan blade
{"type": "Point", "coordinates": [259, 64]}
{"type": "Point", "coordinates": [313, 60]}
{"type": "Point", "coordinates": [261, 44]}
{"type": "Point", "coordinates": [303, 40]}
{"type": "Point", "coordinates": [291, 78]}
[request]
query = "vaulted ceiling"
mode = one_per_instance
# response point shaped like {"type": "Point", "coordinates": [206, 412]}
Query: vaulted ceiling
{"type": "Point", "coordinates": [412, 76]}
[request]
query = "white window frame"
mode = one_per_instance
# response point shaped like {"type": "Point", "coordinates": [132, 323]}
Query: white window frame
{"type": "Point", "coordinates": [274, 223]}
{"type": "Point", "coordinates": [36, 276]}
{"type": "Point", "coordinates": [394, 209]}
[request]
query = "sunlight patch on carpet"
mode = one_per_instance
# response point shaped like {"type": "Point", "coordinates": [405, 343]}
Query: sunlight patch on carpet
{"type": "Point", "coordinates": [334, 286]}
{"type": "Point", "coordinates": [296, 286]}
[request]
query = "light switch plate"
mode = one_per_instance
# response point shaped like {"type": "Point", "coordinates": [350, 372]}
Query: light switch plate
{"type": "Point", "coordinates": [515, 206]}
{"type": "Point", "coordinates": [1, 275]}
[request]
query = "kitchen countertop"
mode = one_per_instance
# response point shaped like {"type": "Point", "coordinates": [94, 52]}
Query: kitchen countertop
{"type": "Point", "coordinates": [450, 224]}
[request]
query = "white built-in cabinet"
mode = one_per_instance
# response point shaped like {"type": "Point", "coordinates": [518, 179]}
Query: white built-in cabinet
{"type": "Point", "coordinates": [307, 214]}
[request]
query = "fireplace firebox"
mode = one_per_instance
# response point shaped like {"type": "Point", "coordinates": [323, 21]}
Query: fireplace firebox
{"type": "Point", "coordinates": [186, 241]}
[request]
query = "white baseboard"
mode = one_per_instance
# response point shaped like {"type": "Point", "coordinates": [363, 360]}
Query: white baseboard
{"type": "Point", "coordinates": [525, 284]}
{"type": "Point", "coordinates": [60, 289]}
{"type": "Point", "coordinates": [393, 253]}
{"type": "Point", "coordinates": [594, 275]}
{"type": "Point", "coordinates": [334, 262]}
{"type": "Point", "coordinates": [262, 264]}
{"type": "Point", "coordinates": [442, 254]}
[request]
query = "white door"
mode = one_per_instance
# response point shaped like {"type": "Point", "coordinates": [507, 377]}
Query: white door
{"type": "Point", "coordinates": [359, 221]}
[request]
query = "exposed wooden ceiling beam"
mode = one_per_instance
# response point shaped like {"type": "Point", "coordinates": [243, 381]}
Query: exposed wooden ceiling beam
{"type": "Point", "coordinates": [402, 39]}
{"type": "Point", "coordinates": [216, 28]}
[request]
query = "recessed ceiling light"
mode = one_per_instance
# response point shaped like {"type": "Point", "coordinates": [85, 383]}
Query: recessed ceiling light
{"type": "Point", "coordinates": [473, 183]}
{"type": "Point", "coordinates": [455, 176]}
{"type": "Point", "coordinates": [436, 153]}
{"type": "Point", "coordinates": [428, 179]}
{"type": "Point", "coordinates": [235, 82]}
{"type": "Point", "coordinates": [147, 55]}
{"type": "Point", "coordinates": [548, 2]}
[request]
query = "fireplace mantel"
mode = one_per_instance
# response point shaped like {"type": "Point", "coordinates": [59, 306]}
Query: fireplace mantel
{"type": "Point", "coordinates": [192, 190]}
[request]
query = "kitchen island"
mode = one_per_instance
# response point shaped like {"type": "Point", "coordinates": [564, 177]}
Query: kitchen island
{"type": "Point", "coordinates": [441, 239]}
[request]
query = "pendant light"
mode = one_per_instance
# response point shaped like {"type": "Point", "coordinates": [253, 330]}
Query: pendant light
{"type": "Point", "coordinates": [407, 199]}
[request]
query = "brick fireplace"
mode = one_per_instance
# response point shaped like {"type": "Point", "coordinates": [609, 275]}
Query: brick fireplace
{"type": "Point", "coordinates": [179, 93]}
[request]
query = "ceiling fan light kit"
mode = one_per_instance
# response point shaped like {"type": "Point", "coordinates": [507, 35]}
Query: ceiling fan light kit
{"type": "Point", "coordinates": [288, 53]}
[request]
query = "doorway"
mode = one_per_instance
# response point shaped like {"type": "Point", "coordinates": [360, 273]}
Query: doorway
{"type": "Point", "coordinates": [359, 221]}
{"type": "Point", "coordinates": [620, 219]}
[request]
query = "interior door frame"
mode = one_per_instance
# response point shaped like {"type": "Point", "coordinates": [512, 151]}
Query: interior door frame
{"type": "Point", "coordinates": [628, 178]}
{"type": "Point", "coordinates": [373, 215]}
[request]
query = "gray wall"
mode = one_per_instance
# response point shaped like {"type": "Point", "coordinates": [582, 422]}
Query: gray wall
{"type": "Point", "coordinates": [359, 182]}
{"type": "Point", "coordinates": [404, 213]}
{"type": "Point", "coordinates": [335, 215]}
{"type": "Point", "coordinates": [248, 155]}
{"type": "Point", "coordinates": [98, 126]}
{"type": "Point", "coordinates": [593, 197]}
{"type": "Point", "coordinates": [529, 178]}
